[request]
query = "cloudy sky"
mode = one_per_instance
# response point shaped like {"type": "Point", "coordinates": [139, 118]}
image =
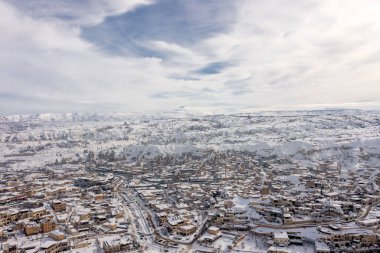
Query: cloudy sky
{"type": "Point", "coordinates": [158, 55]}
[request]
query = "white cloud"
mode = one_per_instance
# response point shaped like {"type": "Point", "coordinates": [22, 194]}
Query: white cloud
{"type": "Point", "coordinates": [297, 52]}
{"type": "Point", "coordinates": [74, 12]}
{"type": "Point", "coordinates": [279, 54]}
{"type": "Point", "coordinates": [50, 67]}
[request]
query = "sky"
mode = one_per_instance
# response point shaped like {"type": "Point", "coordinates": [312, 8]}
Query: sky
{"type": "Point", "coordinates": [214, 56]}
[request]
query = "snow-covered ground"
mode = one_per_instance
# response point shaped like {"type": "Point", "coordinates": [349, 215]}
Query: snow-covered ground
{"type": "Point", "coordinates": [306, 137]}
{"type": "Point", "coordinates": [349, 140]}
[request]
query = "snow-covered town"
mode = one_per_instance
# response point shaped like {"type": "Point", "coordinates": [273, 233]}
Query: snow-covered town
{"type": "Point", "coordinates": [304, 181]}
{"type": "Point", "coordinates": [190, 126]}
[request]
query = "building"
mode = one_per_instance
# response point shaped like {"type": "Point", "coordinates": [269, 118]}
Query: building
{"type": "Point", "coordinates": [55, 247]}
{"type": "Point", "coordinates": [162, 216]}
{"type": "Point", "coordinates": [281, 238]}
{"type": "Point", "coordinates": [186, 230]}
{"type": "Point", "coordinates": [57, 235]}
{"type": "Point", "coordinates": [47, 225]}
{"type": "Point", "coordinates": [275, 249]}
{"type": "Point", "coordinates": [36, 212]}
{"type": "Point", "coordinates": [213, 230]}
{"type": "Point", "coordinates": [321, 247]}
{"type": "Point", "coordinates": [111, 245]}
{"type": "Point", "coordinates": [58, 206]}
{"type": "Point", "coordinates": [288, 219]}
{"type": "Point", "coordinates": [369, 222]}
{"type": "Point", "coordinates": [8, 248]}
{"type": "Point", "coordinates": [31, 228]}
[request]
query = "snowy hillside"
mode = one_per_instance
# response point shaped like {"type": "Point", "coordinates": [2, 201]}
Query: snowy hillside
{"type": "Point", "coordinates": [304, 137]}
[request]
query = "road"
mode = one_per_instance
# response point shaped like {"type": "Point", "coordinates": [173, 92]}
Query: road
{"type": "Point", "coordinates": [368, 210]}
{"type": "Point", "coordinates": [137, 212]}
{"type": "Point", "coordinates": [195, 236]}
{"type": "Point", "coordinates": [324, 223]}
{"type": "Point", "coordinates": [137, 216]}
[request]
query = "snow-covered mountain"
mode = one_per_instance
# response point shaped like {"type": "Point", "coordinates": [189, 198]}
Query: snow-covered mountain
{"type": "Point", "coordinates": [306, 138]}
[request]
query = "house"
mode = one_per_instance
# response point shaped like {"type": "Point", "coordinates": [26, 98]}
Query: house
{"type": "Point", "coordinates": [281, 238]}
{"type": "Point", "coordinates": [62, 218]}
{"type": "Point", "coordinates": [321, 247]}
{"type": "Point", "coordinates": [275, 249]}
{"type": "Point", "coordinates": [265, 191]}
{"type": "Point", "coordinates": [47, 225]}
{"type": "Point", "coordinates": [186, 230]}
{"type": "Point", "coordinates": [288, 219]}
{"type": "Point", "coordinates": [57, 235]}
{"type": "Point", "coordinates": [8, 248]}
{"type": "Point", "coordinates": [116, 244]}
{"type": "Point", "coordinates": [111, 245]}
{"type": "Point", "coordinates": [369, 222]}
{"type": "Point", "coordinates": [368, 239]}
{"type": "Point", "coordinates": [36, 212]}
{"type": "Point", "coordinates": [208, 239]}
{"type": "Point", "coordinates": [31, 228]}
{"type": "Point", "coordinates": [213, 230]}
{"type": "Point", "coordinates": [110, 224]}
{"type": "Point", "coordinates": [175, 221]}
{"type": "Point", "coordinates": [162, 216]}
{"type": "Point", "coordinates": [54, 247]}
{"type": "Point", "coordinates": [58, 206]}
